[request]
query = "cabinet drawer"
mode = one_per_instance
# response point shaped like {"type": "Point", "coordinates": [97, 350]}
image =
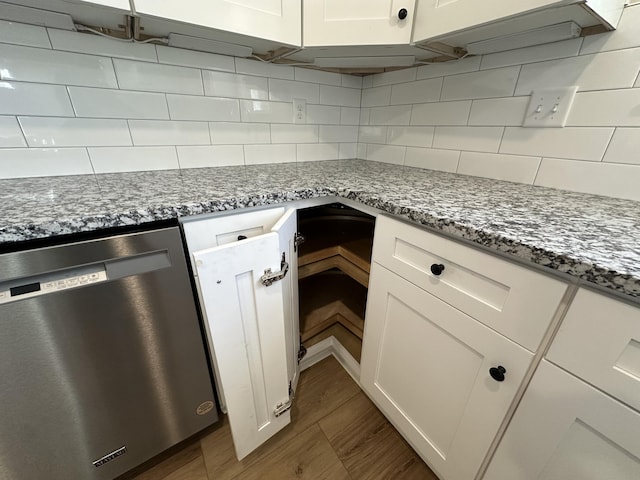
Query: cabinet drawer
{"type": "Point", "coordinates": [513, 300]}
{"type": "Point", "coordinates": [599, 341]}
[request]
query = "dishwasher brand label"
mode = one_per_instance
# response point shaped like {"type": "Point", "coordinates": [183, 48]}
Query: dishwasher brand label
{"type": "Point", "coordinates": [110, 456]}
{"type": "Point", "coordinates": [204, 407]}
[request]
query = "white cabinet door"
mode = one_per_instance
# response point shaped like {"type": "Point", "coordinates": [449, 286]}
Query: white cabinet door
{"type": "Point", "coordinates": [248, 329]}
{"type": "Point", "coordinates": [440, 17]}
{"type": "Point", "coordinates": [426, 365]}
{"type": "Point", "coordinates": [357, 22]}
{"type": "Point", "coordinates": [566, 430]}
{"type": "Point", "coordinates": [276, 20]}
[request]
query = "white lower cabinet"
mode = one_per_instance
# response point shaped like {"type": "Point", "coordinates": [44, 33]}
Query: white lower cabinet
{"type": "Point", "coordinates": [245, 269]}
{"type": "Point", "coordinates": [427, 367]}
{"type": "Point", "coordinates": [564, 429]}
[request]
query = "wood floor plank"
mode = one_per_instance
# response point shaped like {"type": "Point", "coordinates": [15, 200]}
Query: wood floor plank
{"type": "Point", "coordinates": [321, 390]}
{"type": "Point", "coordinates": [194, 470]}
{"type": "Point", "coordinates": [369, 446]}
{"type": "Point", "coordinates": [163, 466]}
{"type": "Point", "coordinates": [307, 456]}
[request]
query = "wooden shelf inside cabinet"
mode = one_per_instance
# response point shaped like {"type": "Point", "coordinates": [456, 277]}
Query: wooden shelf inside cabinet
{"type": "Point", "coordinates": [351, 342]}
{"type": "Point", "coordinates": [352, 258]}
{"type": "Point", "coordinates": [330, 298]}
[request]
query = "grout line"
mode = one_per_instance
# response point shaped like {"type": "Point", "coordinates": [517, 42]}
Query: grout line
{"type": "Point", "coordinates": [535, 177]}
{"type": "Point", "coordinates": [604, 154]}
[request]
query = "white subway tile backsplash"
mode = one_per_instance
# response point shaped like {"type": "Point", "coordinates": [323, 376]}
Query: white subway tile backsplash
{"type": "Point", "coordinates": [318, 151]}
{"type": "Point", "coordinates": [603, 71]}
{"type": "Point", "coordinates": [341, 96]}
{"type": "Point", "coordinates": [396, 76]}
{"type": "Point", "coordinates": [22, 34]}
{"type": "Point", "coordinates": [199, 156]}
{"type": "Point", "coordinates": [499, 82]}
{"type": "Point", "coordinates": [610, 179]}
{"type": "Point", "coordinates": [55, 132]}
{"type": "Point", "coordinates": [105, 103]}
{"type": "Point", "coordinates": [421, 91]}
{"type": "Point", "coordinates": [365, 116]}
{"type": "Point", "coordinates": [189, 107]}
{"type": "Point", "coordinates": [294, 133]}
{"type": "Point", "coordinates": [367, 82]}
{"type": "Point", "coordinates": [44, 162]}
{"type": "Point", "coordinates": [351, 81]}
{"type": "Point", "coordinates": [476, 139]}
{"type": "Point", "coordinates": [376, 97]}
{"type": "Point", "coordinates": [266, 112]}
{"type": "Point", "coordinates": [97, 45]}
{"type": "Point", "coordinates": [50, 66]}
{"type": "Point", "coordinates": [18, 98]}
{"type": "Point", "coordinates": [317, 76]}
{"type": "Point", "coordinates": [442, 69]}
{"type": "Point", "coordinates": [348, 150]}
{"type": "Point", "coordinates": [132, 159]}
{"type": "Point", "coordinates": [341, 134]}
{"type": "Point", "coordinates": [239, 133]}
{"type": "Point", "coordinates": [362, 151]}
{"type": "Point", "coordinates": [349, 116]}
{"type": "Point", "coordinates": [410, 136]}
{"type": "Point", "coordinates": [322, 114]}
{"type": "Point", "coordinates": [272, 70]}
{"type": "Point", "coordinates": [260, 154]}
{"type": "Point", "coordinates": [624, 147]}
{"type": "Point", "coordinates": [386, 154]}
{"type": "Point", "coordinates": [571, 143]}
{"type": "Point", "coordinates": [626, 35]}
{"type": "Point", "coordinates": [513, 168]}
{"type": "Point", "coordinates": [372, 134]}
{"type": "Point", "coordinates": [443, 113]}
{"type": "Point", "coordinates": [158, 78]}
{"type": "Point", "coordinates": [606, 108]}
{"type": "Point", "coordinates": [163, 132]}
{"type": "Point", "coordinates": [432, 159]}
{"type": "Point", "coordinates": [539, 53]}
{"type": "Point", "coordinates": [392, 115]}
{"type": "Point", "coordinates": [508, 111]}
{"type": "Point", "coordinates": [218, 84]}
{"type": "Point", "coordinates": [286, 91]}
{"type": "Point", "coordinates": [10, 133]}
{"type": "Point", "coordinates": [191, 58]}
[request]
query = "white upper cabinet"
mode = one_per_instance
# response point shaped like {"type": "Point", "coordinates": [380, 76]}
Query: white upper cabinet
{"type": "Point", "coordinates": [273, 20]}
{"type": "Point", "coordinates": [357, 22]}
{"type": "Point", "coordinates": [121, 4]}
{"type": "Point", "coordinates": [458, 23]}
{"type": "Point", "coordinates": [439, 17]}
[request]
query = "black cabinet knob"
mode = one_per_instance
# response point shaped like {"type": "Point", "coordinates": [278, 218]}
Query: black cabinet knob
{"type": "Point", "coordinates": [402, 14]}
{"type": "Point", "coordinates": [242, 237]}
{"type": "Point", "coordinates": [437, 268]}
{"type": "Point", "coordinates": [497, 373]}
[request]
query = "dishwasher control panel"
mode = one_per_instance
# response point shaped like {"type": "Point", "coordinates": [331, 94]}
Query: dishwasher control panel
{"type": "Point", "coordinates": [14, 290]}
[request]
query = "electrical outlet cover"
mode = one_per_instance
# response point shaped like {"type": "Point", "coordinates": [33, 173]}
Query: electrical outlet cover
{"type": "Point", "coordinates": [299, 110]}
{"type": "Point", "coordinates": [549, 107]}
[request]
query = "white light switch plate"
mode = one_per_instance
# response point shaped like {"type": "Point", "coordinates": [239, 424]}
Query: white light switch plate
{"type": "Point", "coordinates": [299, 110]}
{"type": "Point", "coordinates": [549, 107]}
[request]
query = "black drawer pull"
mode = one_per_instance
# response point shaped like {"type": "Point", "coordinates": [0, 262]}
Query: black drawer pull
{"type": "Point", "coordinates": [437, 268]}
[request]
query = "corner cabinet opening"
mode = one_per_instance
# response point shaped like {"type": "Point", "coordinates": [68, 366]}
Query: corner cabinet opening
{"type": "Point", "coordinates": [257, 313]}
{"type": "Point", "coordinates": [334, 262]}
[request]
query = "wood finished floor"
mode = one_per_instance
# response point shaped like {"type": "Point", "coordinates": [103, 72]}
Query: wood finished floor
{"type": "Point", "coordinates": [336, 433]}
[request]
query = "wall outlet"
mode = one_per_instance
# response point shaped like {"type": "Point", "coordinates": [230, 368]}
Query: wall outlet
{"type": "Point", "coordinates": [549, 107]}
{"type": "Point", "coordinates": [299, 110]}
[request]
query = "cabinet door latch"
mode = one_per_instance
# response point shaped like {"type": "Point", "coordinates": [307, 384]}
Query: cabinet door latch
{"type": "Point", "coordinates": [269, 277]}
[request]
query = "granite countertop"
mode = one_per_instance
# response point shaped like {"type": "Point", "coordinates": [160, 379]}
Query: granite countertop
{"type": "Point", "coordinates": [593, 238]}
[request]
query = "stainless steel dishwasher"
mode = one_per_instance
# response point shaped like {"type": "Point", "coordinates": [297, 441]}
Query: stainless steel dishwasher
{"type": "Point", "coordinates": [102, 359]}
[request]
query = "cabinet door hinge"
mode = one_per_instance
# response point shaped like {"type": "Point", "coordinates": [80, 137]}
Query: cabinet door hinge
{"type": "Point", "coordinates": [297, 240]}
{"type": "Point", "coordinates": [285, 406]}
{"type": "Point", "coordinates": [269, 277]}
{"type": "Point", "coordinates": [302, 351]}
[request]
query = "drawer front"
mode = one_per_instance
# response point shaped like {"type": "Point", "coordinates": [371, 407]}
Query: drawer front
{"type": "Point", "coordinates": [599, 341]}
{"type": "Point", "coordinates": [513, 300]}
